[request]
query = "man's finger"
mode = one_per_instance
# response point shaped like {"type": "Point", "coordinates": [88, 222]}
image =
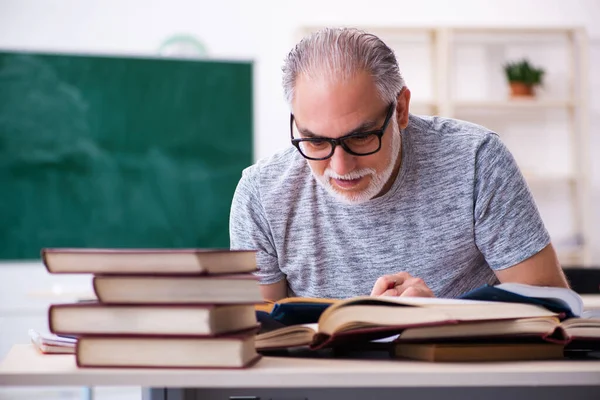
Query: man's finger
{"type": "Point", "coordinates": [401, 277]}
{"type": "Point", "coordinates": [413, 291]}
{"type": "Point", "coordinates": [418, 288]}
{"type": "Point", "coordinates": [387, 282]}
{"type": "Point", "coordinates": [391, 293]}
{"type": "Point", "coordinates": [409, 283]}
{"type": "Point", "coordinates": [382, 284]}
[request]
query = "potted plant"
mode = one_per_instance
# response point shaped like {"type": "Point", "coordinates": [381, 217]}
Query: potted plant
{"type": "Point", "coordinates": [523, 77]}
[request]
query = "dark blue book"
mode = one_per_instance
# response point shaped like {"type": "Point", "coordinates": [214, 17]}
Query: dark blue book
{"type": "Point", "coordinates": [298, 313]}
{"type": "Point", "coordinates": [560, 300]}
{"type": "Point", "coordinates": [292, 311]}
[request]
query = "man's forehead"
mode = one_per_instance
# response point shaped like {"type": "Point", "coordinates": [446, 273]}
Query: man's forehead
{"type": "Point", "coordinates": [315, 97]}
{"type": "Point", "coordinates": [336, 107]}
{"type": "Point", "coordinates": [360, 86]}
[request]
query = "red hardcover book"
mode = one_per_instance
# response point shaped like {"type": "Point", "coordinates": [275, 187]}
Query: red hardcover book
{"type": "Point", "coordinates": [148, 261]}
{"type": "Point", "coordinates": [221, 289]}
{"type": "Point", "coordinates": [236, 351]}
{"type": "Point", "coordinates": [80, 319]}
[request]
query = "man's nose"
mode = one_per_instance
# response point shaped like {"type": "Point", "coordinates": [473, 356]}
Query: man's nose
{"type": "Point", "coordinates": [341, 162]}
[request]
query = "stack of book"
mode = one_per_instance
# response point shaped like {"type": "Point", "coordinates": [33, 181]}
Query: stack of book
{"type": "Point", "coordinates": [160, 308]}
{"type": "Point", "coordinates": [493, 323]}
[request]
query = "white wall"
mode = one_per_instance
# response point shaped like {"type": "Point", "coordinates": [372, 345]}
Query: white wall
{"type": "Point", "coordinates": [264, 31]}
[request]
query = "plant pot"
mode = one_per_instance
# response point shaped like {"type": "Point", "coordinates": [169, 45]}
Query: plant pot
{"type": "Point", "coordinates": [519, 89]}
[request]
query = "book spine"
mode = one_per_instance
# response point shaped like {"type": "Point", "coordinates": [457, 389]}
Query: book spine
{"type": "Point", "coordinates": [96, 291]}
{"type": "Point", "coordinates": [44, 257]}
{"type": "Point", "coordinates": [50, 319]}
{"type": "Point", "coordinates": [240, 333]}
{"type": "Point", "coordinates": [80, 364]}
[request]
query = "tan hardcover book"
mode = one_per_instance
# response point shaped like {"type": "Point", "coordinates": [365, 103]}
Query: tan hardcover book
{"type": "Point", "coordinates": [221, 289]}
{"type": "Point", "coordinates": [460, 352]}
{"type": "Point", "coordinates": [166, 352]}
{"type": "Point", "coordinates": [147, 320]}
{"type": "Point", "coordinates": [148, 261]}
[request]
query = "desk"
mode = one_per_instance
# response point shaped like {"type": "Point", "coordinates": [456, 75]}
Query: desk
{"type": "Point", "coordinates": [303, 378]}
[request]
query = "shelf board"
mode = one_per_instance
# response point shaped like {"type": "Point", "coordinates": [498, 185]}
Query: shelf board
{"type": "Point", "coordinates": [570, 256]}
{"type": "Point", "coordinates": [421, 104]}
{"type": "Point", "coordinates": [541, 30]}
{"type": "Point", "coordinates": [508, 104]}
{"type": "Point", "coordinates": [513, 104]}
{"type": "Point", "coordinates": [537, 178]}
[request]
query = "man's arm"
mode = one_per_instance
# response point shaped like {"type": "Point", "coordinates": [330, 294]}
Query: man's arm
{"type": "Point", "coordinates": [275, 291]}
{"type": "Point", "coordinates": [509, 230]}
{"type": "Point", "coordinates": [542, 269]}
{"type": "Point", "coordinates": [249, 230]}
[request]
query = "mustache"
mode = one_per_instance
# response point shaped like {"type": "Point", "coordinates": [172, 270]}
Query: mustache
{"type": "Point", "coordinates": [350, 175]}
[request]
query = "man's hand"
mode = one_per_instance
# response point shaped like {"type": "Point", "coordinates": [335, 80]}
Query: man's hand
{"type": "Point", "coordinates": [401, 284]}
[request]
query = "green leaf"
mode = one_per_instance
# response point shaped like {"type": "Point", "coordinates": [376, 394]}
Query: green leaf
{"type": "Point", "coordinates": [523, 71]}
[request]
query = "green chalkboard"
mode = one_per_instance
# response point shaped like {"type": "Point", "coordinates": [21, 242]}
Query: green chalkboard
{"type": "Point", "coordinates": [103, 151]}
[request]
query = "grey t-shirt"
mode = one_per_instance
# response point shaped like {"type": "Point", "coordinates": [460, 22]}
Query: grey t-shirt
{"type": "Point", "coordinates": [458, 210]}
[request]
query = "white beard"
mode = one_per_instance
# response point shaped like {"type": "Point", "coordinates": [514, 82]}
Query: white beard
{"type": "Point", "coordinates": [377, 182]}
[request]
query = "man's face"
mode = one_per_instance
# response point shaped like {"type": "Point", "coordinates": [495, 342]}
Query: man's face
{"type": "Point", "coordinates": [333, 110]}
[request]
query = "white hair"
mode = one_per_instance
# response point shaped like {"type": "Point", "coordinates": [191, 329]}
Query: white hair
{"type": "Point", "coordinates": [338, 54]}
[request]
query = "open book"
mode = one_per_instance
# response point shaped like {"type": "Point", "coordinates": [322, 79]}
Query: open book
{"type": "Point", "coordinates": [547, 328]}
{"type": "Point", "coordinates": [566, 302]}
{"type": "Point", "coordinates": [368, 318]}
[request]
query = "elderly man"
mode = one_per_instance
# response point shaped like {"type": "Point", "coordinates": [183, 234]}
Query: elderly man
{"type": "Point", "coordinates": [371, 199]}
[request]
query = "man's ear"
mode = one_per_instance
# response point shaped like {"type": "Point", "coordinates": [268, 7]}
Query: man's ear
{"type": "Point", "coordinates": [402, 107]}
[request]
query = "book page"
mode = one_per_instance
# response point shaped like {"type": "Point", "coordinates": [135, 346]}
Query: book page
{"type": "Point", "coordinates": [567, 296]}
{"type": "Point", "coordinates": [417, 301]}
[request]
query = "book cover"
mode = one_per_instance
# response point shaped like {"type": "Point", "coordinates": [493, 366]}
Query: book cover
{"type": "Point", "coordinates": [549, 298]}
{"type": "Point", "coordinates": [147, 261]}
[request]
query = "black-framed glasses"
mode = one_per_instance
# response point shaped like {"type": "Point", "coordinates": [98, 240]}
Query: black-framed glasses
{"type": "Point", "coordinates": [357, 144]}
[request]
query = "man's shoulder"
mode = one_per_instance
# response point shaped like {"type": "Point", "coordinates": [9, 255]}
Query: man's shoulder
{"type": "Point", "coordinates": [454, 145]}
{"type": "Point", "coordinates": [452, 129]}
{"type": "Point", "coordinates": [277, 172]}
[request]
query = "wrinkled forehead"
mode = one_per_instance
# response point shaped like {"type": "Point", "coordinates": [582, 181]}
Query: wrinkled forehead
{"type": "Point", "coordinates": [334, 107]}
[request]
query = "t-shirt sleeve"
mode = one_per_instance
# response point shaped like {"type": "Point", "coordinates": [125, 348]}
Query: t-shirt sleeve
{"type": "Point", "coordinates": [249, 228]}
{"type": "Point", "coordinates": [508, 226]}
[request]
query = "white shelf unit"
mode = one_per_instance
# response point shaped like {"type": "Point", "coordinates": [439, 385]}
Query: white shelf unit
{"type": "Point", "coordinates": [457, 72]}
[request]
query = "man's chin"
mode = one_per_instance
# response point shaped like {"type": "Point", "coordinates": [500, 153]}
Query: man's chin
{"type": "Point", "coordinates": [348, 196]}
